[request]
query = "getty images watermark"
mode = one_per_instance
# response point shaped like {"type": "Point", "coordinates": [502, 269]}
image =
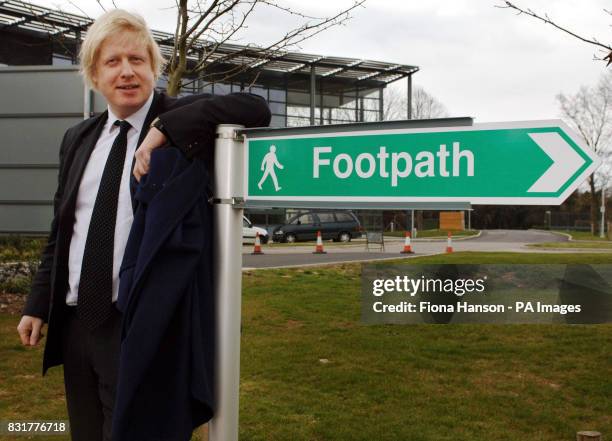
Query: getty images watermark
{"type": "Point", "coordinates": [449, 293]}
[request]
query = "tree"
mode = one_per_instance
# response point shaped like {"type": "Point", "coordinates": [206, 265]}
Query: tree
{"type": "Point", "coordinates": [424, 105]}
{"type": "Point", "coordinates": [589, 112]}
{"type": "Point", "coordinates": [202, 26]}
{"type": "Point", "coordinates": [607, 49]}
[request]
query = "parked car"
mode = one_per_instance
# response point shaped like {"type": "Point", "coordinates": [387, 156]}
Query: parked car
{"type": "Point", "coordinates": [249, 231]}
{"type": "Point", "coordinates": [336, 225]}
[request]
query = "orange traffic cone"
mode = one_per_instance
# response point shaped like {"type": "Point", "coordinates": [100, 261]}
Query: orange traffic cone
{"type": "Point", "coordinates": [319, 247]}
{"type": "Point", "coordinates": [257, 247]}
{"type": "Point", "coordinates": [449, 243]}
{"type": "Point", "coordinates": [407, 247]}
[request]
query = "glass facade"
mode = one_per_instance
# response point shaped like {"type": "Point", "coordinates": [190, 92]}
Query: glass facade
{"type": "Point", "coordinates": [291, 107]}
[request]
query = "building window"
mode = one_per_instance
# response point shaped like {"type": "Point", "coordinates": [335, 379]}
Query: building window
{"type": "Point", "coordinates": [222, 89]}
{"type": "Point", "coordinates": [278, 95]}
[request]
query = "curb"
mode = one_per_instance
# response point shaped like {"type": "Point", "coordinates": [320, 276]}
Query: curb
{"type": "Point", "coordinates": [558, 233]}
{"type": "Point", "coordinates": [443, 238]}
{"type": "Point", "coordinates": [569, 239]}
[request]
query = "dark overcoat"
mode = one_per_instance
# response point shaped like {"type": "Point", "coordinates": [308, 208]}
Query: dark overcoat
{"type": "Point", "coordinates": [165, 386]}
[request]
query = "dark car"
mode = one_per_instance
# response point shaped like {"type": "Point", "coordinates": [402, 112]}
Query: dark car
{"type": "Point", "coordinates": [336, 225]}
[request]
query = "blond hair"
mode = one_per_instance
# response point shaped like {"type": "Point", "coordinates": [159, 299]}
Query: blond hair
{"type": "Point", "coordinates": [112, 23]}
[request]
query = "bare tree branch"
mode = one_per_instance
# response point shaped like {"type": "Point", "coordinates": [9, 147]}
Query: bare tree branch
{"type": "Point", "coordinates": [217, 24]}
{"type": "Point", "coordinates": [212, 16]}
{"type": "Point", "coordinates": [290, 10]}
{"type": "Point", "coordinates": [174, 56]}
{"type": "Point", "coordinates": [228, 36]}
{"type": "Point", "coordinates": [546, 19]}
{"type": "Point", "coordinates": [252, 83]}
{"type": "Point", "coordinates": [83, 12]}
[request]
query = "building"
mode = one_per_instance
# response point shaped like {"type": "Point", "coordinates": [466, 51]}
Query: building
{"type": "Point", "coordinates": [43, 95]}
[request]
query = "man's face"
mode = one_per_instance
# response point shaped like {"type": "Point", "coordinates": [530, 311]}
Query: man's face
{"type": "Point", "coordinates": [123, 73]}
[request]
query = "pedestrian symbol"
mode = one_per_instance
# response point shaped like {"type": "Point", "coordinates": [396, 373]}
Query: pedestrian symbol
{"type": "Point", "coordinates": [267, 166]}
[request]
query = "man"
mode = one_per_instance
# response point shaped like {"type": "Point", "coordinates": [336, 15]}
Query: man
{"type": "Point", "coordinates": [77, 282]}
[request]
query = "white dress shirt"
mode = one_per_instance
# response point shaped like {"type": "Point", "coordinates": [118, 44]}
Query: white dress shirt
{"type": "Point", "coordinates": [88, 191]}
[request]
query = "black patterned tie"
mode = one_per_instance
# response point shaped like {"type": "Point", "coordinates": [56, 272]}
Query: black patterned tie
{"type": "Point", "coordinates": [94, 303]}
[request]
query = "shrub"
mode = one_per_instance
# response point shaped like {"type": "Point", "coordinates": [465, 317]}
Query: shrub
{"type": "Point", "coordinates": [16, 285]}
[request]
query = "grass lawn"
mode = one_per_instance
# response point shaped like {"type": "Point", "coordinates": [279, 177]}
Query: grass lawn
{"type": "Point", "coordinates": [311, 371]}
{"type": "Point", "coordinates": [24, 394]}
{"type": "Point", "coordinates": [583, 235]}
{"type": "Point", "coordinates": [442, 234]}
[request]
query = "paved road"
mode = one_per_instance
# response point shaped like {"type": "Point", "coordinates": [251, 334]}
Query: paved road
{"type": "Point", "coordinates": [489, 240]}
{"type": "Point", "coordinates": [518, 236]}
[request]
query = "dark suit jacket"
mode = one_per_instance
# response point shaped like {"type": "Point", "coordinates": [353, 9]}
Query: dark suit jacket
{"type": "Point", "coordinates": [189, 123]}
{"type": "Point", "coordinates": [165, 386]}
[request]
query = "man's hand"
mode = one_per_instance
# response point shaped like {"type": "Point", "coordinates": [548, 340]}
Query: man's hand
{"type": "Point", "coordinates": [29, 330]}
{"type": "Point", "coordinates": [155, 138]}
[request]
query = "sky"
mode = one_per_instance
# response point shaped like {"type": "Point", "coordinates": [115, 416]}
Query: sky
{"type": "Point", "coordinates": [478, 60]}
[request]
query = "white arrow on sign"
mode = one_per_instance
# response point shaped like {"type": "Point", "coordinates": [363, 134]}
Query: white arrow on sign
{"type": "Point", "coordinates": [566, 161]}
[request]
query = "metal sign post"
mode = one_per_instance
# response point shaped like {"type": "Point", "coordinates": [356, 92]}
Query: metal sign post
{"type": "Point", "coordinates": [371, 165]}
{"type": "Point", "coordinates": [228, 185]}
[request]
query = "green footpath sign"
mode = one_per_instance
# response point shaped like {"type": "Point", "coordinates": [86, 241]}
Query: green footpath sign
{"type": "Point", "coordinates": [536, 163]}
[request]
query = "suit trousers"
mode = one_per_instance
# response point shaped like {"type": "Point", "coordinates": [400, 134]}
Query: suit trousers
{"type": "Point", "coordinates": [91, 365]}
